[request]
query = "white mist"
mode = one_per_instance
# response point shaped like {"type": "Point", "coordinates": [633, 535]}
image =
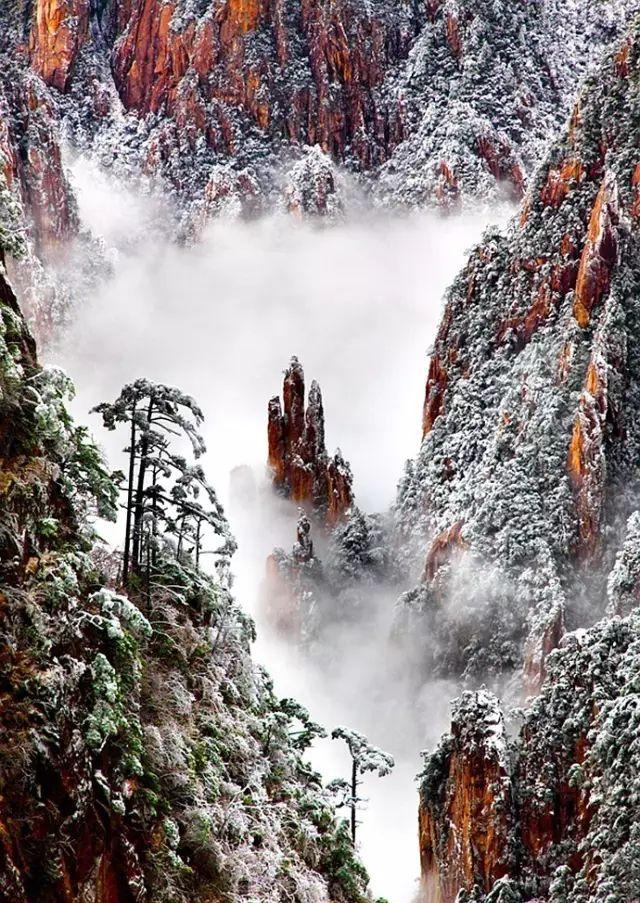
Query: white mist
{"type": "Point", "coordinates": [359, 304]}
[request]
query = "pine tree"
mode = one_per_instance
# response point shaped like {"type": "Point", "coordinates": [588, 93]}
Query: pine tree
{"type": "Point", "coordinates": [364, 757]}
{"type": "Point", "coordinates": [163, 490]}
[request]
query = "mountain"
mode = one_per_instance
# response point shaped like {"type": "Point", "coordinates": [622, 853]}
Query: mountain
{"type": "Point", "coordinates": [528, 467]}
{"type": "Point", "coordinates": [46, 250]}
{"type": "Point", "coordinates": [484, 89]}
{"type": "Point", "coordinates": [143, 754]}
{"type": "Point", "coordinates": [527, 483]}
{"type": "Point", "coordinates": [240, 108]}
{"type": "Point", "coordinates": [550, 813]}
{"type": "Point", "coordinates": [225, 102]}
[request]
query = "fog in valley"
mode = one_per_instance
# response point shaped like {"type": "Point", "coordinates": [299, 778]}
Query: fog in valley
{"type": "Point", "coordinates": [359, 303]}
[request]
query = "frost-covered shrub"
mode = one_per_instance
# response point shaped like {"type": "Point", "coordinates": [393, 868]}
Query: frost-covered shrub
{"type": "Point", "coordinates": [623, 586]}
{"type": "Point", "coordinates": [485, 85]}
{"type": "Point", "coordinates": [11, 238]}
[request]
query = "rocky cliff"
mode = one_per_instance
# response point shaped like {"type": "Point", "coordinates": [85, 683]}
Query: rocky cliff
{"type": "Point", "coordinates": [528, 468]}
{"type": "Point", "coordinates": [443, 101]}
{"type": "Point", "coordinates": [38, 202]}
{"type": "Point", "coordinates": [467, 816]}
{"type": "Point", "coordinates": [552, 814]}
{"type": "Point", "coordinates": [240, 108]}
{"type": "Point", "coordinates": [321, 487]}
{"type": "Point", "coordinates": [144, 755]}
{"type": "Point", "coordinates": [526, 490]}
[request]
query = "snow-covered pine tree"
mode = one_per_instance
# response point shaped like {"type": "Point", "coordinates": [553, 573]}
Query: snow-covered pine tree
{"type": "Point", "coordinates": [364, 758]}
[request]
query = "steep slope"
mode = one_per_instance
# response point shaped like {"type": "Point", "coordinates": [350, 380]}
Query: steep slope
{"type": "Point", "coordinates": [528, 467]}
{"type": "Point", "coordinates": [143, 755]}
{"type": "Point", "coordinates": [220, 100]}
{"type": "Point", "coordinates": [225, 101]}
{"type": "Point", "coordinates": [232, 108]}
{"type": "Point", "coordinates": [485, 87]}
{"type": "Point", "coordinates": [52, 260]}
{"type": "Point", "coordinates": [527, 484]}
{"type": "Point", "coordinates": [553, 814]}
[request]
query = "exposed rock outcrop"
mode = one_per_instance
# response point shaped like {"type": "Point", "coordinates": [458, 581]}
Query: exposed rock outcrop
{"type": "Point", "coordinates": [623, 586]}
{"type": "Point", "coordinates": [552, 814]}
{"type": "Point", "coordinates": [599, 253]}
{"type": "Point", "coordinates": [442, 548]}
{"type": "Point", "coordinates": [312, 187]}
{"type": "Point", "coordinates": [198, 68]}
{"type": "Point", "coordinates": [51, 216]}
{"type": "Point", "coordinates": [545, 634]}
{"type": "Point", "coordinates": [46, 220]}
{"type": "Point", "coordinates": [179, 91]}
{"type": "Point", "coordinates": [466, 814]}
{"type": "Point", "coordinates": [59, 29]}
{"type": "Point", "coordinates": [298, 462]}
{"type": "Point", "coordinates": [291, 582]}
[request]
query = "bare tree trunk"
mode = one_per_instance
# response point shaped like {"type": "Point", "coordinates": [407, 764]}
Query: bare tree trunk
{"type": "Point", "coordinates": [180, 535]}
{"type": "Point", "coordinates": [198, 531]}
{"type": "Point", "coordinates": [354, 791]}
{"type": "Point", "coordinates": [127, 530]}
{"type": "Point", "coordinates": [154, 518]}
{"type": "Point", "coordinates": [148, 577]}
{"type": "Point", "coordinates": [139, 502]}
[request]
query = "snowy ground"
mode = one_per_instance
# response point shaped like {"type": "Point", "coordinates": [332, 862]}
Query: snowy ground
{"type": "Point", "coordinates": [358, 303]}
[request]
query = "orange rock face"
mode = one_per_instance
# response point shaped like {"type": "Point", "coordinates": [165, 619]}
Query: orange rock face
{"type": "Point", "coordinates": [635, 184]}
{"type": "Point", "coordinates": [297, 458]}
{"type": "Point", "coordinates": [519, 810]}
{"type": "Point", "coordinates": [497, 156]}
{"type": "Point", "coordinates": [8, 160]}
{"type": "Point", "coordinates": [525, 326]}
{"type": "Point", "coordinates": [31, 161]}
{"type": "Point", "coordinates": [442, 548]}
{"type": "Point", "coordinates": [434, 394]}
{"type": "Point", "coordinates": [453, 34]}
{"type": "Point", "coordinates": [196, 70]}
{"type": "Point", "coordinates": [540, 643]}
{"type": "Point", "coordinates": [61, 27]}
{"type": "Point", "coordinates": [37, 170]}
{"type": "Point", "coordinates": [599, 253]}
{"type": "Point", "coordinates": [622, 59]}
{"type": "Point", "coordinates": [447, 188]}
{"type": "Point", "coordinates": [550, 285]}
{"type": "Point", "coordinates": [559, 182]}
{"type": "Point", "coordinates": [468, 822]}
{"type": "Point", "coordinates": [466, 809]}
{"type": "Point", "coordinates": [564, 812]}
{"type": "Point", "coordinates": [339, 489]}
{"type": "Point", "coordinates": [586, 463]}
{"type": "Point", "coordinates": [48, 195]}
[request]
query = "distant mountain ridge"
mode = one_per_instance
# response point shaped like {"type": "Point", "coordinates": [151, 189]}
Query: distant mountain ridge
{"type": "Point", "coordinates": [240, 108]}
{"type": "Point", "coordinates": [448, 98]}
